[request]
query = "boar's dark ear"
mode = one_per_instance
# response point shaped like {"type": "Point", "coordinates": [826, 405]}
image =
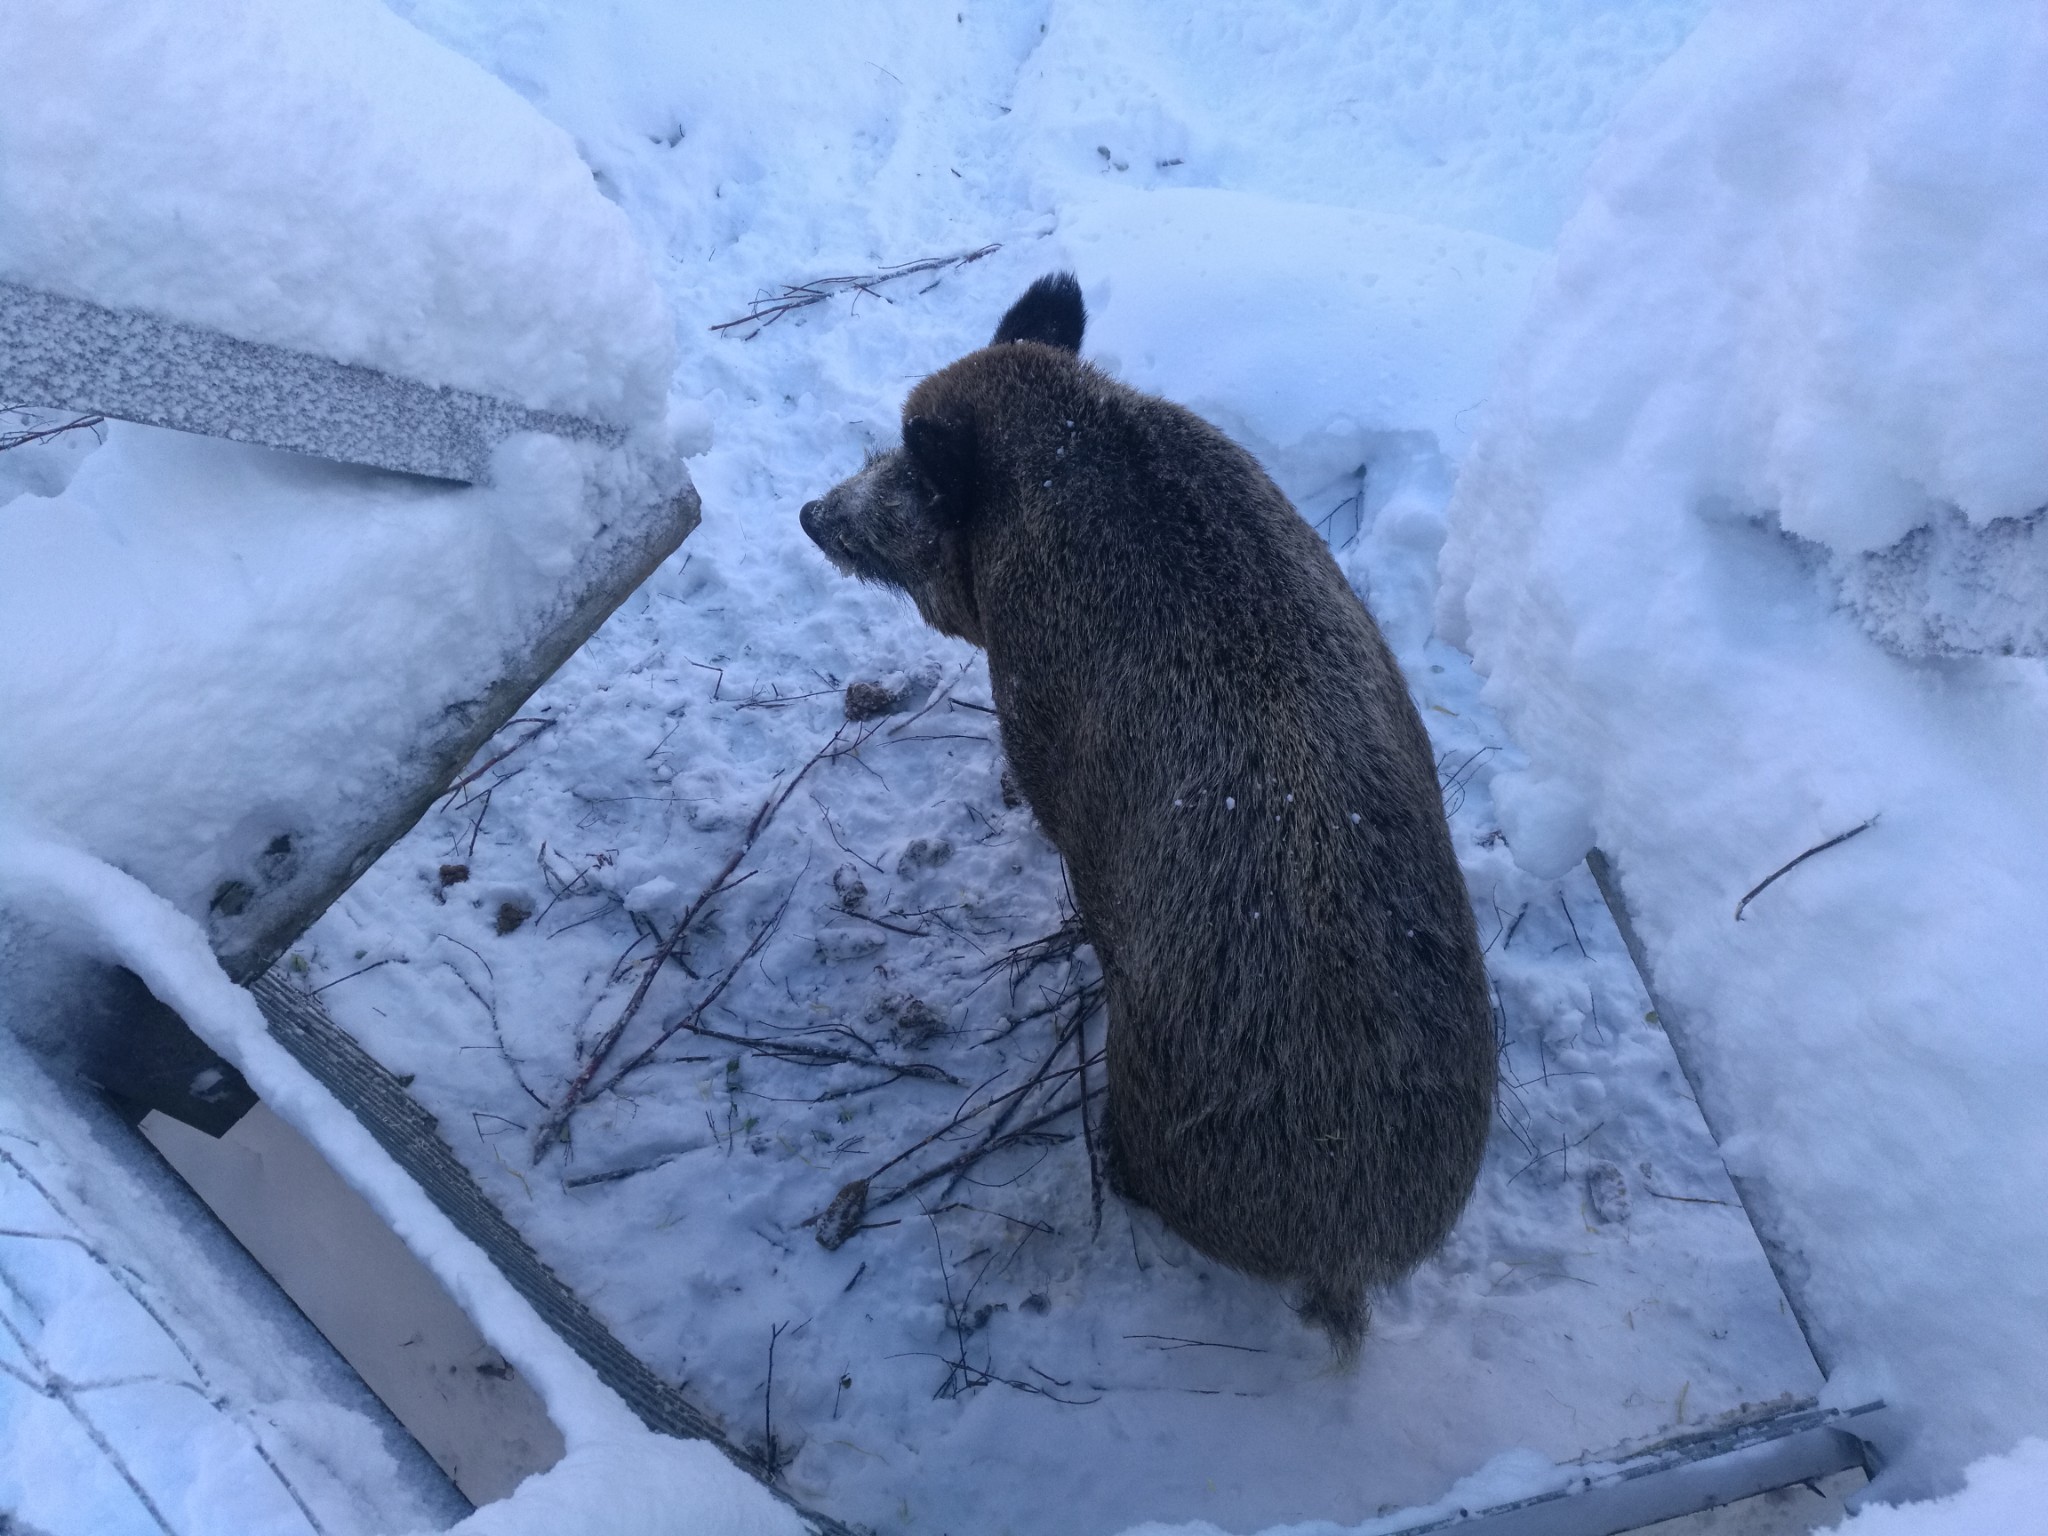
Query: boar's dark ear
{"type": "Point", "coordinates": [1051, 311]}
{"type": "Point", "coordinates": [943, 452]}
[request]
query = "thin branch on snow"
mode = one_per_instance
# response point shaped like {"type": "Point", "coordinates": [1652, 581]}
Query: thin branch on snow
{"type": "Point", "coordinates": [833, 831]}
{"type": "Point", "coordinates": [772, 1459]}
{"type": "Point", "coordinates": [849, 1209]}
{"type": "Point", "coordinates": [579, 1090]}
{"type": "Point", "coordinates": [1764, 884]}
{"type": "Point", "coordinates": [540, 728]}
{"type": "Point", "coordinates": [767, 308]}
{"type": "Point", "coordinates": [42, 432]}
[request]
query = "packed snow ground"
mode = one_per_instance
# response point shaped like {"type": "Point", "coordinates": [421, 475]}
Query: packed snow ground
{"type": "Point", "coordinates": [1319, 229]}
{"type": "Point", "coordinates": [1604, 1263]}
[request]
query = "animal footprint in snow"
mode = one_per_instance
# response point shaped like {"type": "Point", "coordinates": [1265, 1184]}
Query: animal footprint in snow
{"type": "Point", "coordinates": [924, 853]}
{"type": "Point", "coordinates": [1607, 1194]}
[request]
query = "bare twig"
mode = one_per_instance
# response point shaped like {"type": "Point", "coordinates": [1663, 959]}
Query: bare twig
{"type": "Point", "coordinates": [1514, 927]}
{"type": "Point", "coordinates": [490, 1009]}
{"type": "Point", "coordinates": [540, 728]}
{"type": "Point", "coordinates": [22, 437]}
{"type": "Point", "coordinates": [1574, 924]}
{"type": "Point", "coordinates": [766, 309]}
{"type": "Point", "coordinates": [579, 1087]}
{"type": "Point", "coordinates": [982, 1210]}
{"type": "Point", "coordinates": [774, 700]}
{"type": "Point", "coordinates": [691, 1020]}
{"type": "Point", "coordinates": [832, 829]}
{"type": "Point", "coordinates": [560, 889]}
{"type": "Point", "coordinates": [1087, 1124]}
{"type": "Point", "coordinates": [387, 960]}
{"type": "Point", "coordinates": [1563, 1148]}
{"type": "Point", "coordinates": [615, 1175]}
{"type": "Point", "coordinates": [476, 827]}
{"type": "Point", "coordinates": [804, 1053]}
{"type": "Point", "coordinates": [1030, 1128]}
{"type": "Point", "coordinates": [954, 1318]}
{"type": "Point", "coordinates": [846, 1213]}
{"type": "Point", "coordinates": [655, 750]}
{"type": "Point", "coordinates": [962, 1115]}
{"type": "Point", "coordinates": [1009, 1111]}
{"type": "Point", "coordinates": [1454, 786]}
{"type": "Point", "coordinates": [1686, 1199]}
{"type": "Point", "coordinates": [1027, 957]}
{"type": "Point", "coordinates": [978, 1376]}
{"type": "Point", "coordinates": [909, 933]}
{"type": "Point", "coordinates": [717, 683]}
{"type": "Point", "coordinates": [1169, 1341]}
{"type": "Point", "coordinates": [1764, 884]}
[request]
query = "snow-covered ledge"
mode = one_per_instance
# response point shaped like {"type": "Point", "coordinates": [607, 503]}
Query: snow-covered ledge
{"type": "Point", "coordinates": [644, 1482]}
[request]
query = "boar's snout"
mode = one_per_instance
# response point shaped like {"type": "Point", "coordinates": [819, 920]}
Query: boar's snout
{"type": "Point", "coordinates": [818, 524]}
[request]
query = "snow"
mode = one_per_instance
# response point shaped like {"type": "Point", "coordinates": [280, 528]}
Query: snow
{"type": "Point", "coordinates": [1507, 1478]}
{"type": "Point", "coordinates": [650, 1484]}
{"type": "Point", "coordinates": [1160, 259]}
{"type": "Point", "coordinates": [1473, 116]}
{"type": "Point", "coordinates": [2001, 1497]}
{"type": "Point", "coordinates": [1952, 588]}
{"type": "Point", "coordinates": [316, 174]}
{"type": "Point", "coordinates": [144, 602]}
{"type": "Point", "coordinates": [1801, 295]}
{"type": "Point", "coordinates": [678, 1207]}
{"type": "Point", "coordinates": [140, 1360]}
{"type": "Point", "coordinates": [1330, 337]}
{"type": "Point", "coordinates": [1805, 292]}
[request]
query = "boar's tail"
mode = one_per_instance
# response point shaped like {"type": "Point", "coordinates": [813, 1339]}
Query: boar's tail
{"type": "Point", "coordinates": [1337, 1305]}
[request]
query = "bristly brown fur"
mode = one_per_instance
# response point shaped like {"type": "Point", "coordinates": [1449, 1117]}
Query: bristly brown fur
{"type": "Point", "coordinates": [1206, 721]}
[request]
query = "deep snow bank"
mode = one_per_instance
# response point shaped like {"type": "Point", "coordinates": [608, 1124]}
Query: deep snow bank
{"type": "Point", "coordinates": [1807, 287]}
{"type": "Point", "coordinates": [2002, 1498]}
{"type": "Point", "coordinates": [213, 650]}
{"type": "Point", "coordinates": [210, 647]}
{"type": "Point", "coordinates": [1296, 327]}
{"type": "Point", "coordinates": [320, 175]}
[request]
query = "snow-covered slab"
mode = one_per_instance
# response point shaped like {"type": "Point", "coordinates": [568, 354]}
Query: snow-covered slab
{"type": "Point", "coordinates": [242, 673]}
{"type": "Point", "coordinates": [236, 673]}
{"type": "Point", "coordinates": [149, 1380]}
{"type": "Point", "coordinates": [321, 176]}
{"type": "Point", "coordinates": [63, 352]}
{"type": "Point", "coordinates": [371, 1298]}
